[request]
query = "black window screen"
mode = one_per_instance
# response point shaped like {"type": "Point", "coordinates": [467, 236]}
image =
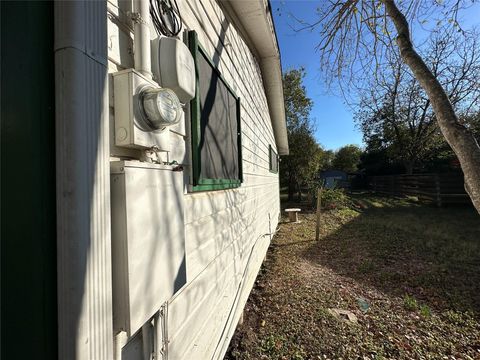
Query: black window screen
{"type": "Point", "coordinates": [218, 125]}
{"type": "Point", "coordinates": [273, 159]}
{"type": "Point", "coordinates": [215, 117]}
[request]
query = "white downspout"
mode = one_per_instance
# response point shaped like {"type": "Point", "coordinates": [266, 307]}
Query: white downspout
{"type": "Point", "coordinates": [141, 16]}
{"type": "Point", "coordinates": [84, 272]}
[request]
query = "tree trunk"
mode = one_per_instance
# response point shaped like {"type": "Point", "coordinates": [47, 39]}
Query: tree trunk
{"type": "Point", "coordinates": [291, 190]}
{"type": "Point", "coordinates": [299, 190]}
{"type": "Point", "coordinates": [409, 167]}
{"type": "Point", "coordinates": [458, 136]}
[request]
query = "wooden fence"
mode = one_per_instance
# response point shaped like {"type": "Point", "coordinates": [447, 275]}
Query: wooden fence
{"type": "Point", "coordinates": [441, 189]}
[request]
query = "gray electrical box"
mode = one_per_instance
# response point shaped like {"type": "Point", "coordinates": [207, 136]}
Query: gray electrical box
{"type": "Point", "coordinates": [129, 130]}
{"type": "Point", "coordinates": [174, 67]}
{"type": "Point", "coordinates": [148, 240]}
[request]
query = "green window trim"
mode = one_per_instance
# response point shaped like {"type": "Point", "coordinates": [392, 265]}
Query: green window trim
{"type": "Point", "coordinates": [200, 183]}
{"type": "Point", "coordinates": [270, 163]}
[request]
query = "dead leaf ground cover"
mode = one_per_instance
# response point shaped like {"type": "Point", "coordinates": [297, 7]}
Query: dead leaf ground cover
{"type": "Point", "coordinates": [410, 273]}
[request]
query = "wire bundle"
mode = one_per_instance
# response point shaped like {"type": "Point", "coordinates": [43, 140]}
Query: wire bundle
{"type": "Point", "coordinates": [166, 17]}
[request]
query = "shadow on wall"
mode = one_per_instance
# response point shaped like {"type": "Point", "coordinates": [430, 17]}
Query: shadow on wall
{"type": "Point", "coordinates": [222, 227]}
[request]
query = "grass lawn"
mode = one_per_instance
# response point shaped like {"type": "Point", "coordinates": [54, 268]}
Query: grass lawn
{"type": "Point", "coordinates": [410, 274]}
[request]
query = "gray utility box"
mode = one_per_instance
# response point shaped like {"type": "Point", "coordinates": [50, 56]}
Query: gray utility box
{"type": "Point", "coordinates": [148, 240]}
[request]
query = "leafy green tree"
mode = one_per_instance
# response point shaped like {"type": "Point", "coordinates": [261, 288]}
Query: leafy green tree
{"type": "Point", "coordinates": [395, 110]}
{"type": "Point", "coordinates": [326, 162]}
{"type": "Point", "coordinates": [304, 160]}
{"type": "Point", "coordinates": [347, 158]}
{"type": "Point", "coordinates": [377, 158]}
{"type": "Point", "coordinates": [355, 35]}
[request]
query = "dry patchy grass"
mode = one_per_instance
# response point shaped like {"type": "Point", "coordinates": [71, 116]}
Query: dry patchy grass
{"type": "Point", "coordinates": [417, 268]}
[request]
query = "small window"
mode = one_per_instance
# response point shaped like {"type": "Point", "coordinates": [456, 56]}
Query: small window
{"type": "Point", "coordinates": [273, 159]}
{"type": "Point", "coordinates": [215, 120]}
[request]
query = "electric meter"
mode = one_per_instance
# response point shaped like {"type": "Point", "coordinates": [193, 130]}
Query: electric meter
{"type": "Point", "coordinates": [144, 112]}
{"type": "Point", "coordinates": [160, 106]}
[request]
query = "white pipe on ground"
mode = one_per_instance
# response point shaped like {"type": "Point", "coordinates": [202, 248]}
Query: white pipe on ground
{"type": "Point", "coordinates": [141, 16]}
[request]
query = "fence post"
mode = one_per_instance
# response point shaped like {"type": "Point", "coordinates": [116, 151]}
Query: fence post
{"type": "Point", "coordinates": [319, 206]}
{"type": "Point", "coordinates": [438, 190]}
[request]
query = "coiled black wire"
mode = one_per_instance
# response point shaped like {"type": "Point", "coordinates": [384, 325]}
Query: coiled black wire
{"type": "Point", "coordinates": [166, 17]}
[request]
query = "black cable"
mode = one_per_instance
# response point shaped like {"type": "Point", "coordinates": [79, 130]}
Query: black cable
{"type": "Point", "coordinates": [166, 17]}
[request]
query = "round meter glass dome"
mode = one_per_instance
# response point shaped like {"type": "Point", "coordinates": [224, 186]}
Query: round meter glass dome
{"type": "Point", "coordinates": [161, 107]}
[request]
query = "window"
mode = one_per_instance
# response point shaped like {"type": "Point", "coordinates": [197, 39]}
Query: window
{"type": "Point", "coordinates": [215, 120]}
{"type": "Point", "coordinates": [273, 157]}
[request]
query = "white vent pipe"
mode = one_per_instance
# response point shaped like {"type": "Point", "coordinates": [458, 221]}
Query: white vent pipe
{"type": "Point", "coordinates": [141, 30]}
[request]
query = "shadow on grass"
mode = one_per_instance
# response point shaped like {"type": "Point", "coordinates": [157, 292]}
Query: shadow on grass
{"type": "Point", "coordinates": [404, 248]}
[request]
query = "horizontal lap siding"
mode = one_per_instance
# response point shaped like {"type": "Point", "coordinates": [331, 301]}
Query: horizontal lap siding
{"type": "Point", "coordinates": [227, 232]}
{"type": "Point", "coordinates": [222, 228]}
{"type": "Point", "coordinates": [217, 283]}
{"type": "Point", "coordinates": [208, 236]}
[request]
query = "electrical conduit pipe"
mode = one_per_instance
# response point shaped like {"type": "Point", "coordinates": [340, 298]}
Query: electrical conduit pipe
{"type": "Point", "coordinates": [141, 30]}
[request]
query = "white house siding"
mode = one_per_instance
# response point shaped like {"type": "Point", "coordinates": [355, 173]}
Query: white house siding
{"type": "Point", "coordinates": [228, 231]}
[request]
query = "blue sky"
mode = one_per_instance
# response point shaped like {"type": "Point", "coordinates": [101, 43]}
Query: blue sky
{"type": "Point", "coordinates": [334, 120]}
